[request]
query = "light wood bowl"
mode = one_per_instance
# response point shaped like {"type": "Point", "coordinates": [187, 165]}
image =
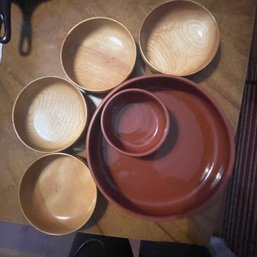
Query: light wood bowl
{"type": "Point", "coordinates": [49, 114]}
{"type": "Point", "coordinates": [57, 194]}
{"type": "Point", "coordinates": [179, 38]}
{"type": "Point", "coordinates": [98, 54]}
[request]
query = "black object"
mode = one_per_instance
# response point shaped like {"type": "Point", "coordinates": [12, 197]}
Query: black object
{"type": "Point", "coordinates": [167, 249]}
{"type": "Point", "coordinates": [86, 245]}
{"type": "Point", "coordinates": [92, 247]}
{"type": "Point", "coordinates": [5, 21]}
{"type": "Point", "coordinates": [27, 7]}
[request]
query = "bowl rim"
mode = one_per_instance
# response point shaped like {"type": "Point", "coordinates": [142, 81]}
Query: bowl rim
{"type": "Point", "coordinates": [27, 170]}
{"type": "Point", "coordinates": [94, 19]}
{"type": "Point", "coordinates": [155, 69]}
{"type": "Point", "coordinates": [230, 139]}
{"type": "Point", "coordinates": [156, 101]}
{"type": "Point", "coordinates": [85, 107]}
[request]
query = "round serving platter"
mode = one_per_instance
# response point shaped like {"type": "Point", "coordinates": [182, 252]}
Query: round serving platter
{"type": "Point", "coordinates": [185, 172]}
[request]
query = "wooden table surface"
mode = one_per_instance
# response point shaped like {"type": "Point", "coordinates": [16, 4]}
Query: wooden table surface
{"type": "Point", "coordinates": [50, 21]}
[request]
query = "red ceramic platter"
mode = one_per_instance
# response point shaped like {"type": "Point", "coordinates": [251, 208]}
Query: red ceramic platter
{"type": "Point", "coordinates": [185, 172]}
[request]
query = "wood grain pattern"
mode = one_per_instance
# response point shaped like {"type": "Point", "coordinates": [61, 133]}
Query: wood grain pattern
{"type": "Point", "coordinates": [223, 78]}
{"type": "Point", "coordinates": [49, 114]}
{"type": "Point", "coordinates": [98, 54]}
{"type": "Point", "coordinates": [13, 253]}
{"type": "Point", "coordinates": [179, 38]}
{"type": "Point", "coordinates": [57, 194]}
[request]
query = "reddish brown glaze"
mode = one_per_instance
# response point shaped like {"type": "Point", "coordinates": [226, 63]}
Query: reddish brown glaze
{"type": "Point", "coordinates": [185, 172]}
{"type": "Point", "coordinates": [135, 122]}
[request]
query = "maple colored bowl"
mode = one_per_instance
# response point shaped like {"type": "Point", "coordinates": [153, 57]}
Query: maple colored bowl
{"type": "Point", "coordinates": [49, 114]}
{"type": "Point", "coordinates": [179, 38]}
{"type": "Point", "coordinates": [98, 54]}
{"type": "Point", "coordinates": [135, 122]}
{"type": "Point", "coordinates": [57, 194]}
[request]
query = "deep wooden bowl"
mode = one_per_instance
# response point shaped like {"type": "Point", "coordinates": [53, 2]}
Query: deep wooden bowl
{"type": "Point", "coordinates": [179, 38]}
{"type": "Point", "coordinates": [57, 194]}
{"type": "Point", "coordinates": [98, 54]}
{"type": "Point", "coordinates": [49, 114]}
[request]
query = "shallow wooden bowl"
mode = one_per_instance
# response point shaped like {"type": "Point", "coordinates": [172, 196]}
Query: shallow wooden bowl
{"type": "Point", "coordinates": [57, 194]}
{"type": "Point", "coordinates": [98, 54]}
{"type": "Point", "coordinates": [49, 114]}
{"type": "Point", "coordinates": [179, 38]}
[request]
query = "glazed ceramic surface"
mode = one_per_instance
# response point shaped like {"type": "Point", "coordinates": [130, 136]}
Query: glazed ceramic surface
{"type": "Point", "coordinates": [98, 54]}
{"type": "Point", "coordinates": [57, 194]}
{"type": "Point", "coordinates": [185, 172]}
{"type": "Point", "coordinates": [179, 38]}
{"type": "Point", "coordinates": [135, 122]}
{"type": "Point", "coordinates": [49, 114]}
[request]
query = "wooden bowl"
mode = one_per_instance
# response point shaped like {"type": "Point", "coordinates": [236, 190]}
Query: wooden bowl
{"type": "Point", "coordinates": [98, 54]}
{"type": "Point", "coordinates": [49, 114]}
{"type": "Point", "coordinates": [135, 122]}
{"type": "Point", "coordinates": [179, 38]}
{"type": "Point", "coordinates": [57, 194]}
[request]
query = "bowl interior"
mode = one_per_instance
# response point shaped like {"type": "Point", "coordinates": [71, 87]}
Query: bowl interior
{"type": "Point", "coordinates": [49, 114]}
{"type": "Point", "coordinates": [57, 194]}
{"type": "Point", "coordinates": [135, 122]}
{"type": "Point", "coordinates": [98, 54]}
{"type": "Point", "coordinates": [179, 38]}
